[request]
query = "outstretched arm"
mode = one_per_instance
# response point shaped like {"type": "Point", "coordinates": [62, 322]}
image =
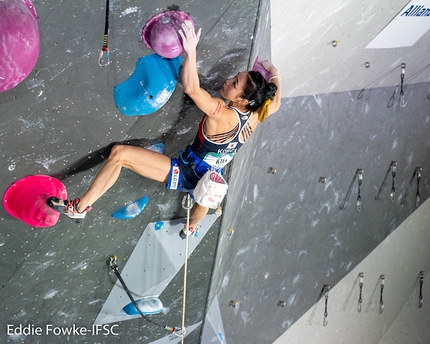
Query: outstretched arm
{"type": "Point", "coordinates": [275, 103]}
{"type": "Point", "coordinates": [190, 77]}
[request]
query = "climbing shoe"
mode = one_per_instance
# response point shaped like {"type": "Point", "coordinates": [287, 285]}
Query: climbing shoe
{"type": "Point", "coordinates": [186, 232]}
{"type": "Point", "coordinates": [69, 208]}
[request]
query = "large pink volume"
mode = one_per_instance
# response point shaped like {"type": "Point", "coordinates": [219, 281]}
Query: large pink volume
{"type": "Point", "coordinates": [26, 200]}
{"type": "Point", "coordinates": [19, 41]}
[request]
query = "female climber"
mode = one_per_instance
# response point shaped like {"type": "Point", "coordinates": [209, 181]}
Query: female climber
{"type": "Point", "coordinates": [224, 128]}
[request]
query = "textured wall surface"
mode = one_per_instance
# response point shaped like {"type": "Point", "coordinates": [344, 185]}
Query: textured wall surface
{"type": "Point", "coordinates": [289, 236]}
{"type": "Point", "coordinates": [302, 41]}
{"type": "Point", "coordinates": [60, 121]}
{"type": "Point", "coordinates": [399, 318]}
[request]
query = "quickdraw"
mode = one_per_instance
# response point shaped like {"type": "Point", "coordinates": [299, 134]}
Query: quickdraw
{"type": "Point", "coordinates": [358, 175]}
{"type": "Point", "coordinates": [417, 173]}
{"type": "Point", "coordinates": [104, 51]}
{"type": "Point", "coordinates": [393, 169]}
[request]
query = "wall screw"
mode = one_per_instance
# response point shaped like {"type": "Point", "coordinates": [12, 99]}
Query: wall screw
{"type": "Point", "coordinates": [271, 170]}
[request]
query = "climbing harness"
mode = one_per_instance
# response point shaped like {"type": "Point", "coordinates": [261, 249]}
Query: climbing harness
{"type": "Point", "coordinates": [114, 268]}
{"type": "Point", "coordinates": [104, 51]}
{"type": "Point", "coordinates": [211, 187]}
{"type": "Point", "coordinates": [199, 166]}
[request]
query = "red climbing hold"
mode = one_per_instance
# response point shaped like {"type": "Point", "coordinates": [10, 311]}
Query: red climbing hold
{"type": "Point", "coordinates": [26, 200]}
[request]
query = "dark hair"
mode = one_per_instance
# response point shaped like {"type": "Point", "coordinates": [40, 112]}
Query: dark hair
{"type": "Point", "coordinates": [257, 90]}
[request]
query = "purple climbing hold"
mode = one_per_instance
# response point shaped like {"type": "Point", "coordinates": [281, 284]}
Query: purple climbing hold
{"type": "Point", "coordinates": [20, 41]}
{"type": "Point", "coordinates": [160, 33]}
{"type": "Point", "coordinates": [258, 67]}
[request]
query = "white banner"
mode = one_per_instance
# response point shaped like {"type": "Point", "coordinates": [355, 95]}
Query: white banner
{"type": "Point", "coordinates": [412, 22]}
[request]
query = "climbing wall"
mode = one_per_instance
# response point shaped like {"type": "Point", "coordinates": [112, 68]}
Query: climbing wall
{"type": "Point", "coordinates": [389, 304]}
{"type": "Point", "coordinates": [62, 121]}
{"type": "Point", "coordinates": [291, 236]}
{"type": "Point", "coordinates": [282, 237]}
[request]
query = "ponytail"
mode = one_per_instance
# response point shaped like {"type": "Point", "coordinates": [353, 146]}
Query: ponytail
{"type": "Point", "coordinates": [259, 92]}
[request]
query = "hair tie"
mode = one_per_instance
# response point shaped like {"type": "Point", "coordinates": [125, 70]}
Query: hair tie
{"type": "Point", "coordinates": [263, 111]}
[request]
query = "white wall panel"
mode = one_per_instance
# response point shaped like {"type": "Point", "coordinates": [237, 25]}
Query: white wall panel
{"type": "Point", "coordinates": [400, 257]}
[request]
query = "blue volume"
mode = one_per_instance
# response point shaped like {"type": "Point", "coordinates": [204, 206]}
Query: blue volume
{"type": "Point", "coordinates": [147, 305]}
{"type": "Point", "coordinates": [149, 87]}
{"type": "Point", "coordinates": [132, 210]}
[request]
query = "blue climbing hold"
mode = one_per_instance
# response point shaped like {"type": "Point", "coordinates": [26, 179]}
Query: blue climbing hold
{"type": "Point", "coordinates": [159, 225]}
{"type": "Point", "coordinates": [131, 210]}
{"type": "Point", "coordinates": [147, 305]}
{"type": "Point", "coordinates": [158, 147]}
{"type": "Point", "coordinates": [149, 87]}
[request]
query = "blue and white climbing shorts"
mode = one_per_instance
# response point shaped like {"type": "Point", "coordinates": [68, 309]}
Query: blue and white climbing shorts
{"type": "Point", "coordinates": [181, 176]}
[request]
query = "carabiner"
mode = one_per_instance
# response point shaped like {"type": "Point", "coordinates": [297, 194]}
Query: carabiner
{"type": "Point", "coordinates": [112, 263]}
{"type": "Point", "coordinates": [104, 57]}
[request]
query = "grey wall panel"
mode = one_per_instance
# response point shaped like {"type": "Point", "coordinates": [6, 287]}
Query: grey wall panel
{"type": "Point", "coordinates": [290, 235]}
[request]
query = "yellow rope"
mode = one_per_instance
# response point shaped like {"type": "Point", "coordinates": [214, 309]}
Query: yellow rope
{"type": "Point", "coordinates": [185, 270]}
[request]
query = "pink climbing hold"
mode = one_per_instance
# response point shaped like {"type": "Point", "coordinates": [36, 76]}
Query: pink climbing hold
{"type": "Point", "coordinates": [258, 67]}
{"type": "Point", "coordinates": [19, 41]}
{"type": "Point", "coordinates": [31, 8]}
{"type": "Point", "coordinates": [160, 33]}
{"type": "Point", "coordinates": [26, 200]}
